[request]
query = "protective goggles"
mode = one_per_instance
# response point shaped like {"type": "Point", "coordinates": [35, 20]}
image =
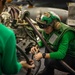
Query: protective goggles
{"type": "Point", "coordinates": [42, 25]}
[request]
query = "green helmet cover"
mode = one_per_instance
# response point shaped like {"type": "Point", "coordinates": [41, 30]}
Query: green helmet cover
{"type": "Point", "coordinates": [47, 21]}
{"type": "Point", "coordinates": [50, 19]}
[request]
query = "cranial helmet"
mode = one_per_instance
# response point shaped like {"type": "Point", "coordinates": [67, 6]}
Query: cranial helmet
{"type": "Point", "coordinates": [46, 20]}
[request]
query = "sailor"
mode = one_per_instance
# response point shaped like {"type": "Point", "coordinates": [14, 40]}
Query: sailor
{"type": "Point", "coordinates": [61, 38]}
{"type": "Point", "coordinates": [8, 58]}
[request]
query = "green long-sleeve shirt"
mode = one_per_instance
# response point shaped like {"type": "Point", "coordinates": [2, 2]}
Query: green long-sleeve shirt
{"type": "Point", "coordinates": [8, 57]}
{"type": "Point", "coordinates": [63, 46]}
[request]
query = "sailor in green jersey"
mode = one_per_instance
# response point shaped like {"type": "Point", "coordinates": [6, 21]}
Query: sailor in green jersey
{"type": "Point", "coordinates": [60, 37]}
{"type": "Point", "coordinates": [8, 58]}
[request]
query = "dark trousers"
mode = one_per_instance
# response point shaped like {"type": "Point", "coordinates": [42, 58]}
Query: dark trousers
{"type": "Point", "coordinates": [52, 64]}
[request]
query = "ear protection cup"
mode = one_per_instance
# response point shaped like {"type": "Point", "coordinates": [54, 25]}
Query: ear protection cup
{"type": "Point", "coordinates": [56, 25]}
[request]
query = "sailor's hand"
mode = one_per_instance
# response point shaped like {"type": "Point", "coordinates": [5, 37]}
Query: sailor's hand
{"type": "Point", "coordinates": [38, 56]}
{"type": "Point", "coordinates": [34, 50]}
{"type": "Point", "coordinates": [26, 65]}
{"type": "Point", "coordinates": [31, 61]}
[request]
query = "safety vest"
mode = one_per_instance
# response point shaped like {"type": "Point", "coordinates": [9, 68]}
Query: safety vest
{"type": "Point", "coordinates": [54, 38]}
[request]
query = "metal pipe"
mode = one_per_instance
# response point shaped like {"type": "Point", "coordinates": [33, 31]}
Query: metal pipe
{"type": "Point", "coordinates": [25, 56]}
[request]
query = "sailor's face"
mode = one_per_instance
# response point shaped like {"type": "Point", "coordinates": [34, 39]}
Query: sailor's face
{"type": "Point", "coordinates": [48, 30]}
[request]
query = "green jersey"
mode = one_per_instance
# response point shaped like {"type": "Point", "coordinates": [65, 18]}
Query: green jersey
{"type": "Point", "coordinates": [61, 42]}
{"type": "Point", "coordinates": [8, 58]}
